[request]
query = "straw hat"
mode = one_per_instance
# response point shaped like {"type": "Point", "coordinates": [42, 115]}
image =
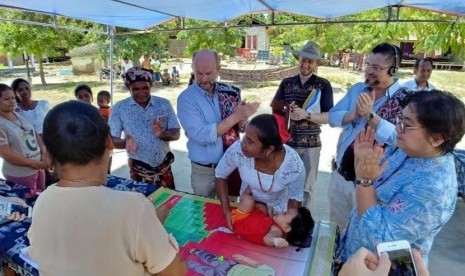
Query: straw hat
{"type": "Point", "coordinates": [311, 50]}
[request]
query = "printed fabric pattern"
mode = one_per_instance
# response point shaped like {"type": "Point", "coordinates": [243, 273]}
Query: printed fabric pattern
{"type": "Point", "coordinates": [229, 97]}
{"type": "Point", "coordinates": [304, 134]}
{"type": "Point", "coordinates": [416, 197]}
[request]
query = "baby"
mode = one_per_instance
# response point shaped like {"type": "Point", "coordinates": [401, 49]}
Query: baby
{"type": "Point", "coordinates": [254, 225]}
{"type": "Point", "coordinates": [103, 101]}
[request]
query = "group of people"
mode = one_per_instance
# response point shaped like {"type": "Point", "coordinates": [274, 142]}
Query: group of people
{"type": "Point", "coordinates": [394, 176]}
{"type": "Point", "coordinates": [154, 64]}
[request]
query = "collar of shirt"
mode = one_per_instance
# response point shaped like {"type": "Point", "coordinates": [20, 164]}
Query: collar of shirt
{"type": "Point", "coordinates": [206, 93]}
{"type": "Point", "coordinates": [133, 102]}
{"type": "Point", "coordinates": [417, 87]}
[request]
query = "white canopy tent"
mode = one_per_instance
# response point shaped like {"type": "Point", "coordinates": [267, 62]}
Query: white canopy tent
{"type": "Point", "coordinates": [142, 15]}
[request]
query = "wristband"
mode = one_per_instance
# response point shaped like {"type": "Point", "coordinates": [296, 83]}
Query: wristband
{"type": "Point", "coordinates": [370, 116]}
{"type": "Point", "coordinates": [309, 116]}
{"type": "Point", "coordinates": [364, 182]}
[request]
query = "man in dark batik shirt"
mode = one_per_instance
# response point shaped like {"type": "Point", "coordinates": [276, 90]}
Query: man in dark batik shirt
{"type": "Point", "coordinates": [306, 99]}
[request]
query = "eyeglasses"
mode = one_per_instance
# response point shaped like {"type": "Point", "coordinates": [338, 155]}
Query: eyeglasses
{"type": "Point", "coordinates": [402, 127]}
{"type": "Point", "coordinates": [375, 68]}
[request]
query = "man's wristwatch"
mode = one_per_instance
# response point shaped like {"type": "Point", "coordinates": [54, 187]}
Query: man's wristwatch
{"type": "Point", "coordinates": [370, 116]}
{"type": "Point", "coordinates": [364, 182]}
{"type": "Point", "coordinates": [309, 116]}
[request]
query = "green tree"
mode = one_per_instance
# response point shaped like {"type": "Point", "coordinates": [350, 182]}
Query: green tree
{"type": "Point", "coordinates": [222, 40]}
{"type": "Point", "coordinates": [37, 40]}
{"type": "Point", "coordinates": [131, 45]}
{"type": "Point", "coordinates": [361, 37]}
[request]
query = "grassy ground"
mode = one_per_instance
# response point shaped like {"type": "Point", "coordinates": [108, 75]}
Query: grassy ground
{"type": "Point", "coordinates": [60, 88]}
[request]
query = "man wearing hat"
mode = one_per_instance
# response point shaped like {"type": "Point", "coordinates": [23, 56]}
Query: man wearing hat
{"type": "Point", "coordinates": [149, 123]}
{"type": "Point", "coordinates": [306, 100]}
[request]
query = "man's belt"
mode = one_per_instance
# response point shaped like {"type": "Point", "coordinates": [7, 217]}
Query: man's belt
{"type": "Point", "coordinates": [211, 165]}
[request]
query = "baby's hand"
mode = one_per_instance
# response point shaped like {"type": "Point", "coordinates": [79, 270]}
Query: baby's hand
{"type": "Point", "coordinates": [280, 242]}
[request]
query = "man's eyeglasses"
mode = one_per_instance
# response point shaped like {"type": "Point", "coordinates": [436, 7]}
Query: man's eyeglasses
{"type": "Point", "coordinates": [402, 127]}
{"type": "Point", "coordinates": [375, 68]}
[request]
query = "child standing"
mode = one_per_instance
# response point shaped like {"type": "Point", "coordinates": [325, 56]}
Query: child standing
{"type": "Point", "coordinates": [103, 102]}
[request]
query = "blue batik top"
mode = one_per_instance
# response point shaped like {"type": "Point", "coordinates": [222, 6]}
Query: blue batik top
{"type": "Point", "coordinates": [416, 197]}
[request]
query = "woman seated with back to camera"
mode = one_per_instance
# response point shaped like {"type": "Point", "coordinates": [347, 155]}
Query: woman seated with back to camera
{"type": "Point", "coordinates": [273, 171]}
{"type": "Point", "coordinates": [412, 194]}
{"type": "Point", "coordinates": [81, 227]}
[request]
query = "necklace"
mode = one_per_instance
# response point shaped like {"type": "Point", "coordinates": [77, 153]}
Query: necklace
{"type": "Point", "coordinates": [265, 169]}
{"type": "Point", "coordinates": [83, 181]}
{"type": "Point", "coordinates": [20, 125]}
{"type": "Point", "coordinates": [269, 167]}
{"type": "Point", "coordinates": [260, 183]}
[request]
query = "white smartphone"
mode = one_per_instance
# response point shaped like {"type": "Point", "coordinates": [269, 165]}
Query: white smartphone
{"type": "Point", "coordinates": [401, 257]}
{"type": "Point", "coordinates": [163, 119]}
{"type": "Point", "coordinates": [8, 208]}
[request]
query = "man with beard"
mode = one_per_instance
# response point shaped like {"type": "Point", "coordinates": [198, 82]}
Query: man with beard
{"type": "Point", "coordinates": [211, 114]}
{"type": "Point", "coordinates": [422, 71]}
{"type": "Point", "coordinates": [306, 98]}
{"type": "Point", "coordinates": [149, 123]}
{"type": "Point", "coordinates": [374, 102]}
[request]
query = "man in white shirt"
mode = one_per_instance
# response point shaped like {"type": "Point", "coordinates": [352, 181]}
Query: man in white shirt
{"type": "Point", "coordinates": [125, 65]}
{"type": "Point", "coordinates": [422, 71]}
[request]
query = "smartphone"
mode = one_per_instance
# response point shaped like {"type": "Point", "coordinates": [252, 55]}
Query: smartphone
{"type": "Point", "coordinates": [8, 208]}
{"type": "Point", "coordinates": [162, 119]}
{"type": "Point", "coordinates": [401, 257]}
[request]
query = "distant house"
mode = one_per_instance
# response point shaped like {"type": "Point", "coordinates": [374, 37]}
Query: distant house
{"type": "Point", "coordinates": [85, 60]}
{"type": "Point", "coordinates": [176, 47]}
{"type": "Point", "coordinates": [256, 42]}
{"type": "Point", "coordinates": [16, 60]}
{"type": "Point", "coordinates": [441, 60]}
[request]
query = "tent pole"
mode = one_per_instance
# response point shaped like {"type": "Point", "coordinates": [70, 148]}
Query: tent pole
{"type": "Point", "coordinates": [111, 34]}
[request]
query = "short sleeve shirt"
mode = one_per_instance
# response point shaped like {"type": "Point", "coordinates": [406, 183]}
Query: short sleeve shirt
{"type": "Point", "coordinates": [20, 141]}
{"type": "Point", "coordinates": [276, 190]}
{"type": "Point", "coordinates": [37, 115]}
{"type": "Point", "coordinates": [129, 117]}
{"type": "Point", "coordinates": [305, 134]}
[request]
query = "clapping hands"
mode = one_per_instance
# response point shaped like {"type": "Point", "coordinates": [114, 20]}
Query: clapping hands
{"type": "Point", "coordinates": [367, 155]}
{"type": "Point", "coordinates": [365, 104]}
{"type": "Point", "coordinates": [244, 110]}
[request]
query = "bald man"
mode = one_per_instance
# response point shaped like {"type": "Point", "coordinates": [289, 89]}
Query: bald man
{"type": "Point", "coordinates": [211, 114]}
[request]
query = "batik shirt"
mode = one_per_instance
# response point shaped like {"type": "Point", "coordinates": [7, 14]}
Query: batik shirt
{"type": "Point", "coordinates": [416, 197]}
{"type": "Point", "coordinates": [304, 134]}
{"type": "Point", "coordinates": [200, 113]}
{"type": "Point", "coordinates": [132, 119]}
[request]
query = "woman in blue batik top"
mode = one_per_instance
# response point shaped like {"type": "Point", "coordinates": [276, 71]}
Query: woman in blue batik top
{"type": "Point", "coordinates": [412, 194]}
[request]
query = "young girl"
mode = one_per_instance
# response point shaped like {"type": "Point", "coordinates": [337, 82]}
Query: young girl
{"type": "Point", "coordinates": [83, 93]}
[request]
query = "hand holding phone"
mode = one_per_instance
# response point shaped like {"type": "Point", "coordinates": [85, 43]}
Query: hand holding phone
{"type": "Point", "coordinates": [14, 211]}
{"type": "Point", "coordinates": [400, 254]}
{"type": "Point", "coordinates": [365, 263]}
{"type": "Point", "coordinates": [162, 119]}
